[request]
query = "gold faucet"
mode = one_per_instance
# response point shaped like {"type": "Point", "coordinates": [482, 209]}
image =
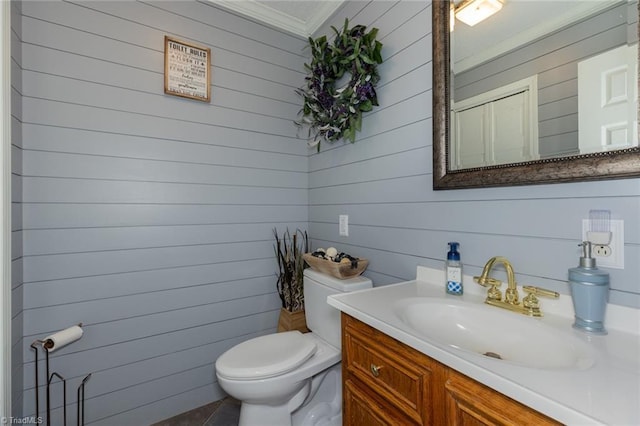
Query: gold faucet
{"type": "Point", "coordinates": [530, 304]}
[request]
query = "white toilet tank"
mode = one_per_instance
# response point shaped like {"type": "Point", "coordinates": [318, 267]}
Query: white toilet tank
{"type": "Point", "coordinates": [322, 319]}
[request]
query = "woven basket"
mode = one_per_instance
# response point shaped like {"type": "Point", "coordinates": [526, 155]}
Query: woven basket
{"type": "Point", "coordinates": [292, 321]}
{"type": "Point", "coordinates": [338, 270]}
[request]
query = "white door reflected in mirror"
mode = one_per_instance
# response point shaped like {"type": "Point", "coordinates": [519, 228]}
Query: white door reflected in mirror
{"type": "Point", "coordinates": [608, 101]}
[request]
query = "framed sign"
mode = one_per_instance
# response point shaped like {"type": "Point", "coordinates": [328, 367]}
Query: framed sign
{"type": "Point", "coordinates": [187, 70]}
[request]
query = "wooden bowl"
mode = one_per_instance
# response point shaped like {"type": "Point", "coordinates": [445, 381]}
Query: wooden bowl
{"type": "Point", "coordinates": [338, 270]}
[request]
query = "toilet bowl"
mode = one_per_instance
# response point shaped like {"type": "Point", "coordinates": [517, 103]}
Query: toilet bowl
{"type": "Point", "coordinates": [269, 399]}
{"type": "Point", "coordinates": [292, 378]}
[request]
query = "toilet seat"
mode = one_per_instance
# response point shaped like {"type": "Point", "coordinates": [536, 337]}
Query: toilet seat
{"type": "Point", "coordinates": [266, 356]}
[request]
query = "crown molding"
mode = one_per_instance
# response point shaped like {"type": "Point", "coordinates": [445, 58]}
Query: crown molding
{"type": "Point", "coordinates": [261, 12]}
{"type": "Point", "coordinates": [324, 12]}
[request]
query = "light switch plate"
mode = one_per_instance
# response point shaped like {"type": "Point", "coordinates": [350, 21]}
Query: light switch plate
{"type": "Point", "coordinates": [344, 225]}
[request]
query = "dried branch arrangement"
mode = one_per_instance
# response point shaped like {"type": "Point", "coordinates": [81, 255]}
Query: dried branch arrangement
{"type": "Point", "coordinates": [289, 250]}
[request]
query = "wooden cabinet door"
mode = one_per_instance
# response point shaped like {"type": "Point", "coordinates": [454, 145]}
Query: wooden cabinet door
{"type": "Point", "coordinates": [469, 403]}
{"type": "Point", "coordinates": [363, 409]}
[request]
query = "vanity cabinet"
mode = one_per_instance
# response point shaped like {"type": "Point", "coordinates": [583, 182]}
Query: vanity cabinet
{"type": "Point", "coordinates": [386, 382]}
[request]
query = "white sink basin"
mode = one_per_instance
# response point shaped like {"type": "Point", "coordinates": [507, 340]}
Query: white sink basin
{"type": "Point", "coordinates": [495, 333]}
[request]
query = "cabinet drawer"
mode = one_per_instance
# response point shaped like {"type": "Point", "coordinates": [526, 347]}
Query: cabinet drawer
{"type": "Point", "coordinates": [363, 409]}
{"type": "Point", "coordinates": [372, 358]}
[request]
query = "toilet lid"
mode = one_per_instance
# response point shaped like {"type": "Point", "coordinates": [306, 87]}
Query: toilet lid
{"type": "Point", "coordinates": [266, 356]}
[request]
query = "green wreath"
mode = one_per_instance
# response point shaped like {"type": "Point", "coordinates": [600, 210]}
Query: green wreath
{"type": "Point", "coordinates": [332, 112]}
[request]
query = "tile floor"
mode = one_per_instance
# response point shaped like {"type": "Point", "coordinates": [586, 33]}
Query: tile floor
{"type": "Point", "coordinates": [225, 412]}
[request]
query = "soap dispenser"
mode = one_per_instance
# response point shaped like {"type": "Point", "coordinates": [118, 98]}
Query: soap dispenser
{"type": "Point", "coordinates": [453, 271]}
{"type": "Point", "coordinates": [590, 293]}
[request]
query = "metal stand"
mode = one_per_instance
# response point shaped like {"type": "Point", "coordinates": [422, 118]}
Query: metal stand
{"type": "Point", "coordinates": [50, 376]}
{"type": "Point", "coordinates": [81, 399]}
{"type": "Point", "coordinates": [64, 395]}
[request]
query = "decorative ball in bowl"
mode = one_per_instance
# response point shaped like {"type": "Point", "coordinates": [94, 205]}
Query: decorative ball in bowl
{"type": "Point", "coordinates": [338, 265]}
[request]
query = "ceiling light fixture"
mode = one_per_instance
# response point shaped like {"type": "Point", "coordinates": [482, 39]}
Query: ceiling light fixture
{"type": "Point", "coordinates": [473, 11]}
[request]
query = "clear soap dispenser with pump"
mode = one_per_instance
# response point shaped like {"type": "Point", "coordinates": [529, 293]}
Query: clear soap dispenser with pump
{"type": "Point", "coordinates": [590, 292]}
{"type": "Point", "coordinates": [453, 270]}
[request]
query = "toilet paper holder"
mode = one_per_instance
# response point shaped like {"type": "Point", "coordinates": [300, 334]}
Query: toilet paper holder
{"type": "Point", "coordinates": [50, 344]}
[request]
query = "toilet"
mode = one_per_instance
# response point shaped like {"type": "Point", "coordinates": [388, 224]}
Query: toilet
{"type": "Point", "coordinates": [292, 378]}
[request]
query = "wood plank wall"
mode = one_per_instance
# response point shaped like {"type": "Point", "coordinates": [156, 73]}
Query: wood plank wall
{"type": "Point", "coordinates": [16, 212]}
{"type": "Point", "coordinates": [149, 217]}
{"type": "Point", "coordinates": [384, 183]}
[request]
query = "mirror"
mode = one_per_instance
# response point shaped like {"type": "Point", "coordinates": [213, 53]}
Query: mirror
{"type": "Point", "coordinates": [556, 157]}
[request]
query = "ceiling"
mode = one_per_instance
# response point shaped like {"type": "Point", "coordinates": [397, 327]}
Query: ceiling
{"type": "Point", "coordinates": [299, 17]}
{"type": "Point", "coordinates": [519, 22]}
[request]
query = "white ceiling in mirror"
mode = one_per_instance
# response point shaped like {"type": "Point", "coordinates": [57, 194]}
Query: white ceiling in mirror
{"type": "Point", "coordinates": [299, 17]}
{"type": "Point", "coordinates": [519, 22]}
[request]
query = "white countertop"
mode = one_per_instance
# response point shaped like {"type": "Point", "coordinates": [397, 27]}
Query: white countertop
{"type": "Point", "coordinates": [606, 393]}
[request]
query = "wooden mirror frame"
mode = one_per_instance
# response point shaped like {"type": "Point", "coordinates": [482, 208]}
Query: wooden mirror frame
{"type": "Point", "coordinates": [618, 164]}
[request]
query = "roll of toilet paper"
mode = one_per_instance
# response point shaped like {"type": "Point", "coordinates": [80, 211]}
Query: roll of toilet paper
{"type": "Point", "coordinates": [62, 338]}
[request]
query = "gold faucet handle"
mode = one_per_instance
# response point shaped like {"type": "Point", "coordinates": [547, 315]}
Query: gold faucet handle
{"type": "Point", "coordinates": [530, 301]}
{"type": "Point", "coordinates": [487, 281]}
{"type": "Point", "coordinates": [493, 293]}
{"type": "Point", "coordinates": [537, 291]}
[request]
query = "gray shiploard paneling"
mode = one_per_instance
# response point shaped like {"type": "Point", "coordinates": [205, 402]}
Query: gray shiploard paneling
{"type": "Point", "coordinates": [384, 180]}
{"type": "Point", "coordinates": [17, 288]}
{"type": "Point", "coordinates": [148, 217]}
{"type": "Point", "coordinates": [145, 216]}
